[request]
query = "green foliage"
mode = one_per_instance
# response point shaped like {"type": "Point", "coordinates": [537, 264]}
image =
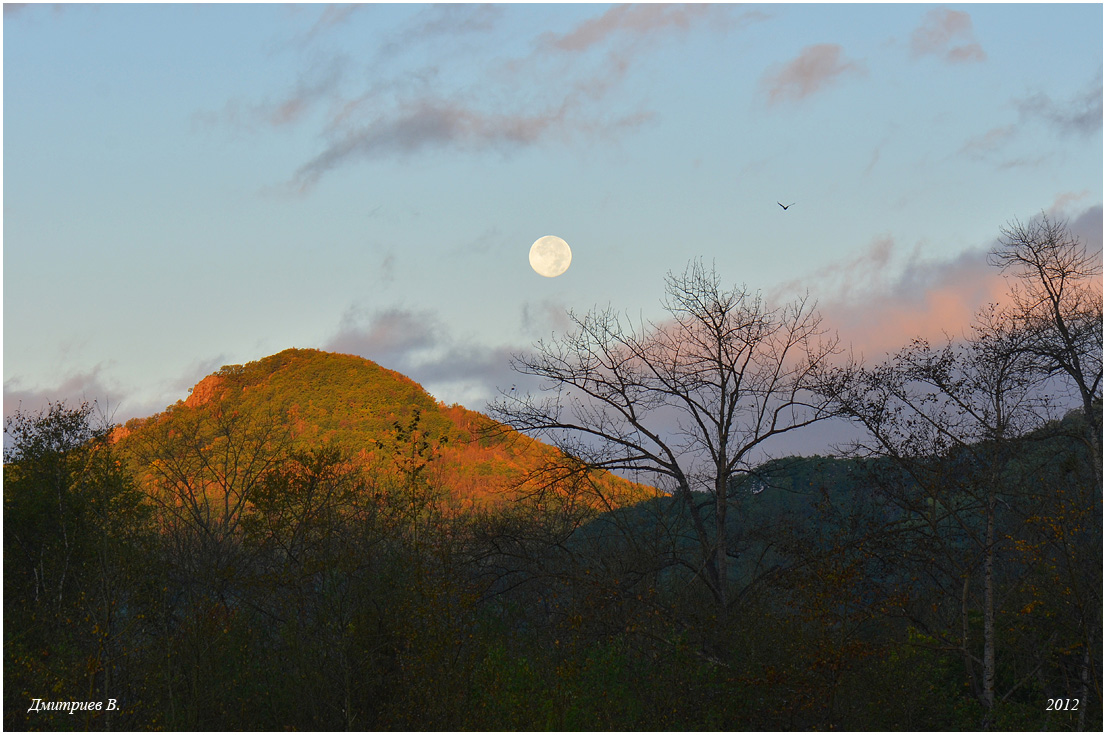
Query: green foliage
{"type": "Point", "coordinates": [74, 541]}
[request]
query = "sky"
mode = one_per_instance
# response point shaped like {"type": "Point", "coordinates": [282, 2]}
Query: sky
{"type": "Point", "coordinates": [187, 187]}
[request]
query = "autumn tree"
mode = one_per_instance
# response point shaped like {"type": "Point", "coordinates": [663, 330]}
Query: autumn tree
{"type": "Point", "coordinates": [684, 404]}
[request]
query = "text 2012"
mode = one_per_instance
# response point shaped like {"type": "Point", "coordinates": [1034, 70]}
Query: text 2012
{"type": "Point", "coordinates": [1062, 704]}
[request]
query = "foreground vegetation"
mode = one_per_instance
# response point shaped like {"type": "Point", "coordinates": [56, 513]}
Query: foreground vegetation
{"type": "Point", "coordinates": [340, 601]}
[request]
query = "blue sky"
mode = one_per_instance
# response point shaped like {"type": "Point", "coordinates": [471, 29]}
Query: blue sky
{"type": "Point", "coordinates": [192, 186]}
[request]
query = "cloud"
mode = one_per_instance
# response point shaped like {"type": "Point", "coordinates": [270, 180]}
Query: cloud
{"type": "Point", "coordinates": [439, 123]}
{"type": "Point", "coordinates": [89, 386]}
{"type": "Point", "coordinates": [816, 68]}
{"type": "Point", "coordinates": [307, 93]}
{"type": "Point", "coordinates": [13, 9]}
{"type": "Point", "coordinates": [983, 145]}
{"type": "Point", "coordinates": [1088, 228]}
{"type": "Point", "coordinates": [926, 299]}
{"type": "Point", "coordinates": [882, 298]}
{"type": "Point", "coordinates": [331, 17]}
{"type": "Point", "coordinates": [436, 84]}
{"type": "Point", "coordinates": [418, 345]}
{"type": "Point", "coordinates": [543, 318]}
{"type": "Point", "coordinates": [422, 124]}
{"type": "Point", "coordinates": [386, 337]}
{"type": "Point", "coordinates": [118, 402]}
{"type": "Point", "coordinates": [452, 20]}
{"type": "Point", "coordinates": [437, 24]}
{"type": "Point", "coordinates": [1079, 115]}
{"type": "Point", "coordinates": [635, 21]}
{"type": "Point", "coordinates": [990, 147]}
{"type": "Point", "coordinates": [842, 281]}
{"type": "Point", "coordinates": [314, 88]}
{"type": "Point", "coordinates": [940, 30]}
{"type": "Point", "coordinates": [407, 114]}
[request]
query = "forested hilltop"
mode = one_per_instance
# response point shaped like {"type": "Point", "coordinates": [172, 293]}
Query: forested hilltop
{"type": "Point", "coordinates": [383, 422]}
{"type": "Point", "coordinates": [311, 542]}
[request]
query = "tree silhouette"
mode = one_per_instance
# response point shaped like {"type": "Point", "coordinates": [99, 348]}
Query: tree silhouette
{"type": "Point", "coordinates": [683, 404]}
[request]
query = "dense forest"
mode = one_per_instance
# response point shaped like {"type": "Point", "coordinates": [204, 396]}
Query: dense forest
{"type": "Point", "coordinates": [311, 542]}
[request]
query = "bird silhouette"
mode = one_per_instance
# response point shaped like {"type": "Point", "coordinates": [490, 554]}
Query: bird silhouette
{"type": "Point", "coordinates": [785, 208]}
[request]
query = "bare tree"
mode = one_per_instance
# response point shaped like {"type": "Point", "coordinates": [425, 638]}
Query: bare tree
{"type": "Point", "coordinates": [1057, 303]}
{"type": "Point", "coordinates": [201, 468]}
{"type": "Point", "coordinates": [685, 404]}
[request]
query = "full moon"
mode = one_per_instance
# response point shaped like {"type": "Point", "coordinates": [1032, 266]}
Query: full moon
{"type": "Point", "coordinates": [550, 256]}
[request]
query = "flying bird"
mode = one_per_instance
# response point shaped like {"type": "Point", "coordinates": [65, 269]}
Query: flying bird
{"type": "Point", "coordinates": [785, 208]}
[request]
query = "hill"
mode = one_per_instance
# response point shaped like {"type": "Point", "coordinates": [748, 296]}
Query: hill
{"type": "Point", "coordinates": [302, 399]}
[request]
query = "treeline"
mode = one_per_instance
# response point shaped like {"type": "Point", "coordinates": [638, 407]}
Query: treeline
{"type": "Point", "coordinates": [208, 572]}
{"type": "Point", "coordinates": [334, 601]}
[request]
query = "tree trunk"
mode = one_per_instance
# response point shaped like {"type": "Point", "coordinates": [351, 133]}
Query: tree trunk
{"type": "Point", "coordinates": [965, 649]}
{"type": "Point", "coordinates": [1085, 684]}
{"type": "Point", "coordinates": [721, 557]}
{"type": "Point", "coordinates": [988, 694]}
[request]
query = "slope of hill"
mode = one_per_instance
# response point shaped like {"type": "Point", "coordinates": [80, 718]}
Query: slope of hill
{"type": "Point", "coordinates": [306, 399]}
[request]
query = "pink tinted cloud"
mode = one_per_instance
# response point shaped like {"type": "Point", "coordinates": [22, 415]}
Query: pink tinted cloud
{"type": "Point", "coordinates": [948, 34]}
{"type": "Point", "coordinates": [928, 300]}
{"type": "Point", "coordinates": [635, 20]}
{"type": "Point", "coordinates": [816, 68]}
{"type": "Point", "coordinates": [877, 311]}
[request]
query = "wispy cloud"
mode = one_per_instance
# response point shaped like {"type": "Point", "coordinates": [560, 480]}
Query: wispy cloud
{"type": "Point", "coordinates": [984, 145]}
{"type": "Point", "coordinates": [119, 402]}
{"type": "Point", "coordinates": [389, 336]}
{"type": "Point", "coordinates": [947, 34]}
{"type": "Point", "coordinates": [1080, 114]}
{"type": "Point", "coordinates": [314, 89]}
{"type": "Point", "coordinates": [332, 16]}
{"type": "Point", "coordinates": [436, 123]}
{"type": "Point", "coordinates": [637, 21]}
{"type": "Point", "coordinates": [419, 98]}
{"type": "Point", "coordinates": [90, 386]}
{"type": "Point", "coordinates": [816, 67]}
{"type": "Point", "coordinates": [13, 9]}
{"type": "Point", "coordinates": [418, 345]}
{"type": "Point", "coordinates": [447, 19]}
